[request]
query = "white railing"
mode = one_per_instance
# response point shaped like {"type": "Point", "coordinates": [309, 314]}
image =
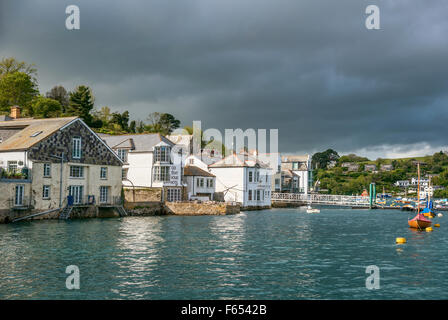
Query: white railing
{"type": "Point", "coordinates": [326, 199]}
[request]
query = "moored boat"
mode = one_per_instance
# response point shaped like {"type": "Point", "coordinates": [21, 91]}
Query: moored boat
{"type": "Point", "coordinates": [419, 221]}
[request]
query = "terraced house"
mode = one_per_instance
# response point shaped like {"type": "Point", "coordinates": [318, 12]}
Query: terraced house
{"type": "Point", "coordinates": [52, 164]}
{"type": "Point", "coordinates": [149, 165]}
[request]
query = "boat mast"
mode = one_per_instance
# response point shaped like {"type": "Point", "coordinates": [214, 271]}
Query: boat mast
{"type": "Point", "coordinates": [418, 188]}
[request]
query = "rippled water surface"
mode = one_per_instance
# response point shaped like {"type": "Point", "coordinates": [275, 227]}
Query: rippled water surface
{"type": "Point", "coordinates": [271, 254]}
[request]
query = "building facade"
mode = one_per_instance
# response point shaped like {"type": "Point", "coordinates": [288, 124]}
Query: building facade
{"type": "Point", "coordinates": [243, 179]}
{"type": "Point", "coordinates": [43, 161]}
{"type": "Point", "coordinates": [298, 166]}
{"type": "Point", "coordinates": [151, 161]}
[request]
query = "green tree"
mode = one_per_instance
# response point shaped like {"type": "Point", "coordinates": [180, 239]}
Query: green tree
{"type": "Point", "coordinates": [17, 89]}
{"type": "Point", "coordinates": [81, 103]}
{"type": "Point", "coordinates": [121, 119]}
{"type": "Point", "coordinates": [46, 108]}
{"type": "Point", "coordinates": [59, 93]}
{"type": "Point", "coordinates": [11, 65]}
{"type": "Point", "coordinates": [320, 160]}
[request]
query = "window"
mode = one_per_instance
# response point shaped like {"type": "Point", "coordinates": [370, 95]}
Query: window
{"type": "Point", "coordinates": [35, 134]}
{"type": "Point", "coordinates": [209, 183]}
{"type": "Point", "coordinates": [258, 195]}
{"type": "Point", "coordinates": [46, 192]}
{"type": "Point", "coordinates": [257, 176]}
{"type": "Point", "coordinates": [250, 194]}
{"type": "Point", "coordinates": [174, 194]}
{"type": "Point", "coordinates": [123, 154]}
{"type": "Point", "coordinates": [76, 172]}
{"type": "Point", "coordinates": [76, 148]}
{"type": "Point", "coordinates": [47, 170]}
{"type": "Point", "coordinates": [77, 193]}
{"type": "Point", "coordinates": [200, 182]}
{"type": "Point", "coordinates": [12, 166]}
{"type": "Point", "coordinates": [124, 174]}
{"type": "Point", "coordinates": [162, 154]}
{"type": "Point", "coordinates": [103, 173]}
{"type": "Point", "coordinates": [295, 166]}
{"type": "Point", "coordinates": [162, 173]}
{"type": "Point", "coordinates": [191, 161]}
{"type": "Point", "coordinates": [19, 195]}
{"type": "Point", "coordinates": [104, 194]}
{"type": "Point", "coordinates": [250, 176]}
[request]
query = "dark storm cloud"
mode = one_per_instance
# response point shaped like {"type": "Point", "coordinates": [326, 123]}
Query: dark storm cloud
{"type": "Point", "coordinates": [309, 68]}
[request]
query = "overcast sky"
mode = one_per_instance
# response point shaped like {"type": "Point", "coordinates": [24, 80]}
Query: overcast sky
{"type": "Point", "coordinates": [309, 68]}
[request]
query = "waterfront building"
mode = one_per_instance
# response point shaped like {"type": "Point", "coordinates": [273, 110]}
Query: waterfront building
{"type": "Point", "coordinates": [34, 153]}
{"type": "Point", "coordinates": [299, 166]}
{"type": "Point", "coordinates": [200, 182]}
{"type": "Point", "coordinates": [370, 167]}
{"type": "Point", "coordinates": [244, 179]}
{"type": "Point", "coordinates": [150, 162]}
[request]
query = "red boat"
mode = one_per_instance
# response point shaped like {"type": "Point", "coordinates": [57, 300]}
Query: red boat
{"type": "Point", "coordinates": [419, 222]}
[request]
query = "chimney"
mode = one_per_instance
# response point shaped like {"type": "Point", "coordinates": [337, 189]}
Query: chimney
{"type": "Point", "coordinates": [15, 112]}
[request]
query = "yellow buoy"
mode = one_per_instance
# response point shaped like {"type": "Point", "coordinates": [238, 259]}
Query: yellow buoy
{"type": "Point", "coordinates": [400, 240]}
{"type": "Point", "coordinates": [437, 225]}
{"type": "Point", "coordinates": [429, 229]}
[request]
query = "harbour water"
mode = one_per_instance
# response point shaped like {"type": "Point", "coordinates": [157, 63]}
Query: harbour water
{"type": "Point", "coordinates": [270, 254]}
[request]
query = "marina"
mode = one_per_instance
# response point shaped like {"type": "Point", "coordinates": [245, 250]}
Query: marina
{"type": "Point", "coordinates": [268, 254]}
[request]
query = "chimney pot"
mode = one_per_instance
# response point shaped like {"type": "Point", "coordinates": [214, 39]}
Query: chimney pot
{"type": "Point", "coordinates": [15, 112]}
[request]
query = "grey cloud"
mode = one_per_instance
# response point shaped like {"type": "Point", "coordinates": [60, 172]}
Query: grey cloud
{"type": "Point", "coordinates": [309, 68]}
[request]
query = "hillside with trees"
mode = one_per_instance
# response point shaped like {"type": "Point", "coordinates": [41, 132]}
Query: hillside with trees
{"type": "Point", "coordinates": [340, 180]}
{"type": "Point", "coordinates": [19, 86]}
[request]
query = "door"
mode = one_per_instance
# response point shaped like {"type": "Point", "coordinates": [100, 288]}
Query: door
{"type": "Point", "coordinates": [76, 193]}
{"type": "Point", "coordinates": [18, 200]}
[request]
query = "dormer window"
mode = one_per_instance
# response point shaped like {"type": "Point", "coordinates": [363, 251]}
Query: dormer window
{"type": "Point", "coordinates": [162, 154]}
{"type": "Point", "coordinates": [76, 143]}
{"type": "Point", "coordinates": [123, 154]}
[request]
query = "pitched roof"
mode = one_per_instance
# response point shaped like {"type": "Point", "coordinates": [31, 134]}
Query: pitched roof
{"type": "Point", "coordinates": [294, 158]}
{"type": "Point", "coordinates": [196, 171]}
{"type": "Point", "coordinates": [135, 142]}
{"type": "Point", "coordinates": [236, 161]}
{"type": "Point", "coordinates": [22, 134]}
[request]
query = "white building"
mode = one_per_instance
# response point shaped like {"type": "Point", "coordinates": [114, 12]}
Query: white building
{"type": "Point", "coordinates": [301, 167]}
{"type": "Point", "coordinates": [150, 160]}
{"type": "Point", "coordinates": [243, 179]}
{"type": "Point", "coordinates": [402, 183]}
{"type": "Point", "coordinates": [200, 182]}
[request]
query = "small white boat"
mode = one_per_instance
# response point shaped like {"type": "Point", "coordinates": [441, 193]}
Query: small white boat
{"type": "Point", "coordinates": [311, 210]}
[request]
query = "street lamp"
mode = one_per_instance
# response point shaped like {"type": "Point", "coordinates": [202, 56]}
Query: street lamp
{"type": "Point", "coordinates": [61, 157]}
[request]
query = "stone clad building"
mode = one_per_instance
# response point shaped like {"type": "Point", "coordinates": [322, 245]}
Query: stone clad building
{"type": "Point", "coordinates": [31, 151]}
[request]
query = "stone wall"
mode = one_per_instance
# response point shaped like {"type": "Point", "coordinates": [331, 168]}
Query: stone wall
{"type": "Point", "coordinates": [142, 194]}
{"type": "Point", "coordinates": [144, 208]}
{"type": "Point", "coordinates": [93, 151]}
{"type": "Point", "coordinates": [203, 208]}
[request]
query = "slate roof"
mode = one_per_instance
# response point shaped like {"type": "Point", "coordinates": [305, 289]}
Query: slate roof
{"type": "Point", "coordinates": [135, 142]}
{"type": "Point", "coordinates": [196, 171]}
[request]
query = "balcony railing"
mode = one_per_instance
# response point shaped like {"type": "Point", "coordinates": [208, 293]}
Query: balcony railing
{"type": "Point", "coordinates": [20, 203]}
{"type": "Point", "coordinates": [15, 174]}
{"type": "Point", "coordinates": [90, 200]}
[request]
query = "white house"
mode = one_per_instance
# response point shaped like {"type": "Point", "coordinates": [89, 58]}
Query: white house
{"type": "Point", "coordinates": [301, 167]}
{"type": "Point", "coordinates": [402, 183]}
{"type": "Point", "coordinates": [150, 160]}
{"type": "Point", "coordinates": [243, 179]}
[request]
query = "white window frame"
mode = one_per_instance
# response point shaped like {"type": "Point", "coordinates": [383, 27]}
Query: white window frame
{"type": "Point", "coordinates": [124, 173]}
{"type": "Point", "coordinates": [104, 194]}
{"type": "Point", "coordinates": [80, 171]}
{"type": "Point", "coordinates": [77, 148]}
{"type": "Point", "coordinates": [103, 173]}
{"type": "Point", "coordinates": [161, 175]}
{"type": "Point", "coordinates": [47, 170]}
{"type": "Point", "coordinates": [13, 166]}
{"type": "Point", "coordinates": [46, 192]}
{"type": "Point", "coordinates": [123, 154]}
{"type": "Point", "coordinates": [174, 194]}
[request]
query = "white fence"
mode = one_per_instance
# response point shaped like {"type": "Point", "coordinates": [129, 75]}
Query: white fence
{"type": "Point", "coordinates": [324, 199]}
